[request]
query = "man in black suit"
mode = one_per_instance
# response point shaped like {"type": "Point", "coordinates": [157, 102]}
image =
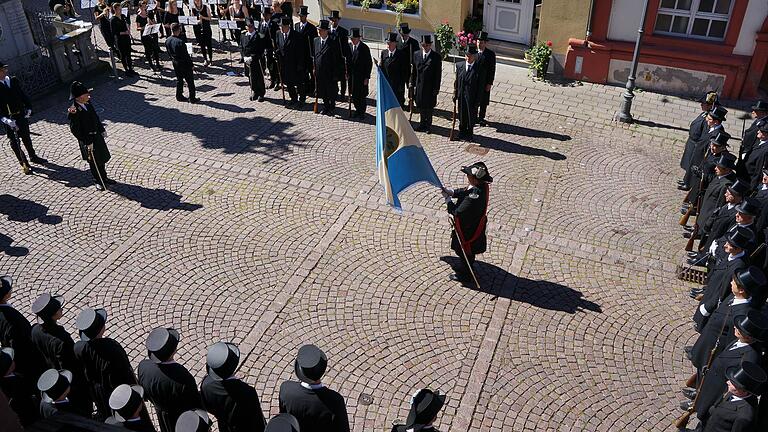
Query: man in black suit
{"type": "Point", "coordinates": [360, 66]}
{"type": "Point", "coordinates": [269, 28]}
{"type": "Point", "coordinates": [425, 82]}
{"type": "Point", "coordinates": [395, 66]}
{"type": "Point", "coordinates": [341, 36]}
{"type": "Point", "coordinates": [714, 196]}
{"type": "Point", "coordinates": [425, 405]}
{"type": "Point", "coordinates": [57, 348]}
{"type": "Point", "coordinates": [234, 403]}
{"type": "Point", "coordinates": [721, 219]}
{"type": "Point", "coordinates": [168, 385]}
{"type": "Point", "coordinates": [486, 59]}
{"type": "Point", "coordinates": [15, 111]}
{"type": "Point", "coordinates": [736, 409]}
{"type": "Point", "coordinates": [129, 410]}
{"type": "Point", "coordinates": [252, 45]}
{"type": "Point", "coordinates": [182, 65]}
{"type": "Point", "coordinates": [714, 126]}
{"type": "Point", "coordinates": [56, 394]}
{"type": "Point", "coordinates": [104, 360]}
{"type": "Point", "coordinates": [697, 132]}
{"type": "Point", "coordinates": [16, 333]}
{"type": "Point", "coordinates": [749, 140]}
{"type": "Point", "coordinates": [328, 64]}
{"type": "Point", "coordinates": [726, 260]}
{"type": "Point", "coordinates": [291, 58]}
{"type": "Point", "coordinates": [309, 31]}
{"type": "Point", "coordinates": [705, 171]}
{"type": "Point", "coordinates": [316, 407]}
{"type": "Point", "coordinates": [467, 92]}
{"type": "Point", "coordinates": [86, 126]}
{"type": "Point", "coordinates": [120, 29]}
{"type": "Point", "coordinates": [757, 159]}
{"type": "Point", "coordinates": [407, 46]}
{"type": "Point", "coordinates": [19, 389]}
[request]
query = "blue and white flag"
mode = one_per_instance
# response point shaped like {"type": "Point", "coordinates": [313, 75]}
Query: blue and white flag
{"type": "Point", "coordinates": [400, 159]}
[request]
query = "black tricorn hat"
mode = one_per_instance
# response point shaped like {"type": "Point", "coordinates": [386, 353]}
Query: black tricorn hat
{"type": "Point", "coordinates": [718, 113]}
{"type": "Point", "coordinates": [222, 360]}
{"type": "Point", "coordinates": [760, 106]}
{"type": "Point", "coordinates": [46, 305]}
{"type": "Point", "coordinates": [162, 343]}
{"type": "Point", "coordinates": [721, 139]}
{"type": "Point", "coordinates": [283, 423]}
{"type": "Point", "coordinates": [739, 188]}
{"type": "Point", "coordinates": [304, 11]}
{"type": "Point", "coordinates": [77, 89]}
{"type": "Point", "coordinates": [726, 160]}
{"type": "Point", "coordinates": [405, 28]}
{"type": "Point", "coordinates": [754, 324]}
{"type": "Point", "coordinates": [125, 400]}
{"type": "Point", "coordinates": [6, 284]}
{"type": "Point", "coordinates": [749, 377]}
{"type": "Point", "coordinates": [391, 37]}
{"type": "Point", "coordinates": [472, 49]}
{"type": "Point", "coordinates": [310, 363]}
{"type": "Point", "coordinates": [90, 322]}
{"type": "Point", "coordinates": [334, 15]}
{"type": "Point", "coordinates": [324, 25]}
{"type": "Point", "coordinates": [479, 171]}
{"type": "Point", "coordinates": [426, 39]}
{"type": "Point", "coordinates": [751, 279]}
{"type": "Point", "coordinates": [749, 207]}
{"type": "Point", "coordinates": [483, 36]}
{"type": "Point", "coordinates": [355, 32]}
{"type": "Point", "coordinates": [194, 421]}
{"type": "Point", "coordinates": [286, 21]}
{"type": "Point", "coordinates": [7, 355]}
{"type": "Point", "coordinates": [710, 98]}
{"type": "Point", "coordinates": [54, 383]}
{"type": "Point", "coordinates": [425, 405]}
{"type": "Point", "coordinates": [741, 237]}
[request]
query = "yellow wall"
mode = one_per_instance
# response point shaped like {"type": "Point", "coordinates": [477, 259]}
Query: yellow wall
{"type": "Point", "coordinates": [433, 12]}
{"type": "Point", "coordinates": [561, 20]}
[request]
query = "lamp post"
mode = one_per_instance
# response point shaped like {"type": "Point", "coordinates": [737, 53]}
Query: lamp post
{"type": "Point", "coordinates": [625, 115]}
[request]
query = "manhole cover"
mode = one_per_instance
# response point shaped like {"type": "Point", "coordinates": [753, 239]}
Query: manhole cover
{"type": "Point", "coordinates": [365, 399]}
{"type": "Point", "coordinates": [476, 149]}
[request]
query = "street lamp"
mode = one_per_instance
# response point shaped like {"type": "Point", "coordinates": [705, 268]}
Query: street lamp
{"type": "Point", "coordinates": [625, 115]}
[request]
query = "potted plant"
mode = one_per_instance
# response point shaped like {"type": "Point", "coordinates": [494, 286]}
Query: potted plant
{"type": "Point", "coordinates": [410, 6]}
{"type": "Point", "coordinates": [539, 56]}
{"type": "Point", "coordinates": [473, 24]}
{"type": "Point", "coordinates": [445, 39]}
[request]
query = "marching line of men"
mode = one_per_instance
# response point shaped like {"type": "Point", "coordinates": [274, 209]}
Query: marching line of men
{"type": "Point", "coordinates": [43, 371]}
{"type": "Point", "coordinates": [728, 194]}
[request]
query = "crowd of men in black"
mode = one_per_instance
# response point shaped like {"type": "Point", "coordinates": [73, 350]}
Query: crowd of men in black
{"type": "Point", "coordinates": [728, 194]}
{"type": "Point", "coordinates": [44, 373]}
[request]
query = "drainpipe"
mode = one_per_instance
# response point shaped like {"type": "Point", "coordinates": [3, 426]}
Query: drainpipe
{"type": "Point", "coordinates": [589, 22]}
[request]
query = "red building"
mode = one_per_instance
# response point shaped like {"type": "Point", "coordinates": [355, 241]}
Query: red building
{"type": "Point", "coordinates": [689, 46]}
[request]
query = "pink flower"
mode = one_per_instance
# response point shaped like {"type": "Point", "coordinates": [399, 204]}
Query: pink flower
{"type": "Point", "coordinates": [549, 43]}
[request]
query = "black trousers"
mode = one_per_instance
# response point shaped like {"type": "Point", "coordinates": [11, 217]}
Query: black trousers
{"type": "Point", "coordinates": [296, 91]}
{"type": "Point", "coordinates": [343, 88]}
{"type": "Point", "coordinates": [98, 168]}
{"type": "Point", "coordinates": [18, 136]}
{"type": "Point", "coordinates": [481, 113]}
{"type": "Point", "coordinates": [255, 78]}
{"type": "Point", "coordinates": [329, 98]}
{"type": "Point", "coordinates": [425, 118]}
{"type": "Point", "coordinates": [399, 90]}
{"type": "Point", "coordinates": [184, 74]}
{"type": "Point", "coordinates": [124, 47]}
{"type": "Point", "coordinates": [274, 74]}
{"type": "Point", "coordinates": [466, 115]}
{"type": "Point", "coordinates": [151, 49]}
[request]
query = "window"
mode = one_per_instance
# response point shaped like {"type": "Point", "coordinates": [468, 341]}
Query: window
{"type": "Point", "coordinates": [701, 19]}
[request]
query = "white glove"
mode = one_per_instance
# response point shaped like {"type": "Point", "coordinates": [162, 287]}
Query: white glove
{"type": "Point", "coordinates": [9, 122]}
{"type": "Point", "coordinates": [713, 247]}
{"type": "Point", "coordinates": [248, 59]}
{"type": "Point", "coordinates": [90, 147]}
{"type": "Point", "coordinates": [28, 113]}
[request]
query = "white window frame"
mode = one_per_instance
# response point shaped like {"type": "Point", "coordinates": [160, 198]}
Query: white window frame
{"type": "Point", "coordinates": [692, 14]}
{"type": "Point", "coordinates": [384, 9]}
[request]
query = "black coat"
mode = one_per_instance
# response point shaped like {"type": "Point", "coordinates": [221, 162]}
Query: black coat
{"type": "Point", "coordinates": [360, 65]}
{"type": "Point", "coordinates": [177, 50]}
{"type": "Point", "coordinates": [701, 148]}
{"type": "Point", "coordinates": [292, 55]}
{"type": "Point", "coordinates": [470, 212]}
{"type": "Point", "coordinates": [118, 25]}
{"type": "Point", "coordinates": [49, 409]}
{"type": "Point", "coordinates": [13, 101]}
{"type": "Point", "coordinates": [16, 332]}
{"type": "Point", "coordinates": [467, 85]}
{"type": "Point", "coordinates": [253, 46]}
{"type": "Point", "coordinates": [310, 33]}
{"type": "Point", "coordinates": [727, 416]}
{"type": "Point", "coordinates": [754, 164]}
{"type": "Point", "coordinates": [408, 48]}
{"type": "Point", "coordinates": [696, 132]}
{"type": "Point", "coordinates": [328, 65]}
{"type": "Point", "coordinates": [171, 389]}
{"type": "Point", "coordinates": [487, 62]}
{"type": "Point", "coordinates": [714, 384]}
{"type": "Point", "coordinates": [719, 327]}
{"type": "Point", "coordinates": [234, 403]}
{"type": "Point", "coordinates": [426, 78]}
{"type": "Point", "coordinates": [321, 410]}
{"type": "Point", "coordinates": [749, 140]}
{"type": "Point", "coordinates": [106, 366]}
{"type": "Point", "coordinates": [717, 224]}
{"type": "Point", "coordinates": [341, 36]}
{"type": "Point", "coordinates": [714, 197]}
{"type": "Point", "coordinates": [719, 277]}
{"type": "Point", "coordinates": [707, 173]}
{"type": "Point", "coordinates": [395, 68]}
{"type": "Point", "coordinates": [22, 397]}
{"type": "Point", "coordinates": [140, 425]}
{"type": "Point", "coordinates": [86, 126]}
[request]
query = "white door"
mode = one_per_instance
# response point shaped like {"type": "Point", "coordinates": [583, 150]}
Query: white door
{"type": "Point", "coordinates": [509, 20]}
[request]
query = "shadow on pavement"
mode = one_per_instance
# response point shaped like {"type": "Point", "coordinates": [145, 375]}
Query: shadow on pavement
{"type": "Point", "coordinates": [155, 199]}
{"type": "Point", "coordinates": [6, 248]}
{"type": "Point", "coordinates": [68, 176]}
{"type": "Point", "coordinates": [653, 124]}
{"type": "Point", "coordinates": [528, 132]}
{"type": "Point", "coordinates": [538, 293]}
{"type": "Point", "coordinates": [24, 210]}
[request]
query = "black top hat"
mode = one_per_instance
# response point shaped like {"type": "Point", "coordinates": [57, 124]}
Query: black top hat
{"type": "Point", "coordinates": [6, 359]}
{"type": "Point", "coordinates": [721, 139]}
{"type": "Point", "coordinates": [334, 15]}
{"type": "Point", "coordinates": [194, 421]}
{"type": "Point", "coordinates": [479, 171]}
{"type": "Point", "coordinates": [77, 89]}
{"type": "Point", "coordinates": [3, 64]}
{"type": "Point", "coordinates": [46, 305]}
{"type": "Point", "coordinates": [483, 36]}
{"type": "Point", "coordinates": [6, 284]}
{"type": "Point", "coordinates": [286, 21]}
{"type": "Point", "coordinates": [760, 106]}
{"type": "Point", "coordinates": [741, 237]}
{"type": "Point", "coordinates": [90, 322]}
{"type": "Point", "coordinates": [472, 49]}
{"type": "Point", "coordinates": [751, 279]}
{"type": "Point", "coordinates": [726, 160]}
{"type": "Point", "coordinates": [304, 11]}
{"type": "Point", "coordinates": [222, 360]}
{"type": "Point", "coordinates": [405, 28]}
{"type": "Point", "coordinates": [763, 128]}
{"type": "Point", "coordinates": [391, 37]}
{"type": "Point", "coordinates": [718, 113]}
{"type": "Point", "coordinates": [324, 25]}
{"type": "Point", "coordinates": [310, 363]}
{"type": "Point", "coordinates": [283, 423]}
{"type": "Point", "coordinates": [749, 377]}
{"type": "Point", "coordinates": [125, 400]}
{"type": "Point", "coordinates": [54, 383]}
{"type": "Point", "coordinates": [426, 39]}
{"type": "Point", "coordinates": [739, 188]}
{"type": "Point", "coordinates": [425, 405]}
{"type": "Point", "coordinates": [710, 98]}
{"type": "Point", "coordinates": [162, 343]}
{"type": "Point", "coordinates": [749, 207]}
{"type": "Point", "coordinates": [754, 324]}
{"type": "Point", "coordinates": [355, 32]}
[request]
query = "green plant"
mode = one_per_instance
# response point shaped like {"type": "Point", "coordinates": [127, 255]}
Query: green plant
{"type": "Point", "coordinates": [473, 24]}
{"type": "Point", "coordinates": [539, 56]}
{"type": "Point", "coordinates": [446, 40]}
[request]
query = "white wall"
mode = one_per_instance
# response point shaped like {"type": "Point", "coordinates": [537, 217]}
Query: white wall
{"type": "Point", "coordinates": [625, 20]}
{"type": "Point", "coordinates": [757, 10]}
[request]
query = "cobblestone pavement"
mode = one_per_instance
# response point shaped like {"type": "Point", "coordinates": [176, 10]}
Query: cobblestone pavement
{"type": "Point", "coordinates": [265, 226]}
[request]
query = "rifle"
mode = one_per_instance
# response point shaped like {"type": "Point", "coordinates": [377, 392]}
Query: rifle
{"type": "Point", "coordinates": [314, 74]}
{"type": "Point", "coordinates": [351, 89]}
{"type": "Point", "coordinates": [453, 119]}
